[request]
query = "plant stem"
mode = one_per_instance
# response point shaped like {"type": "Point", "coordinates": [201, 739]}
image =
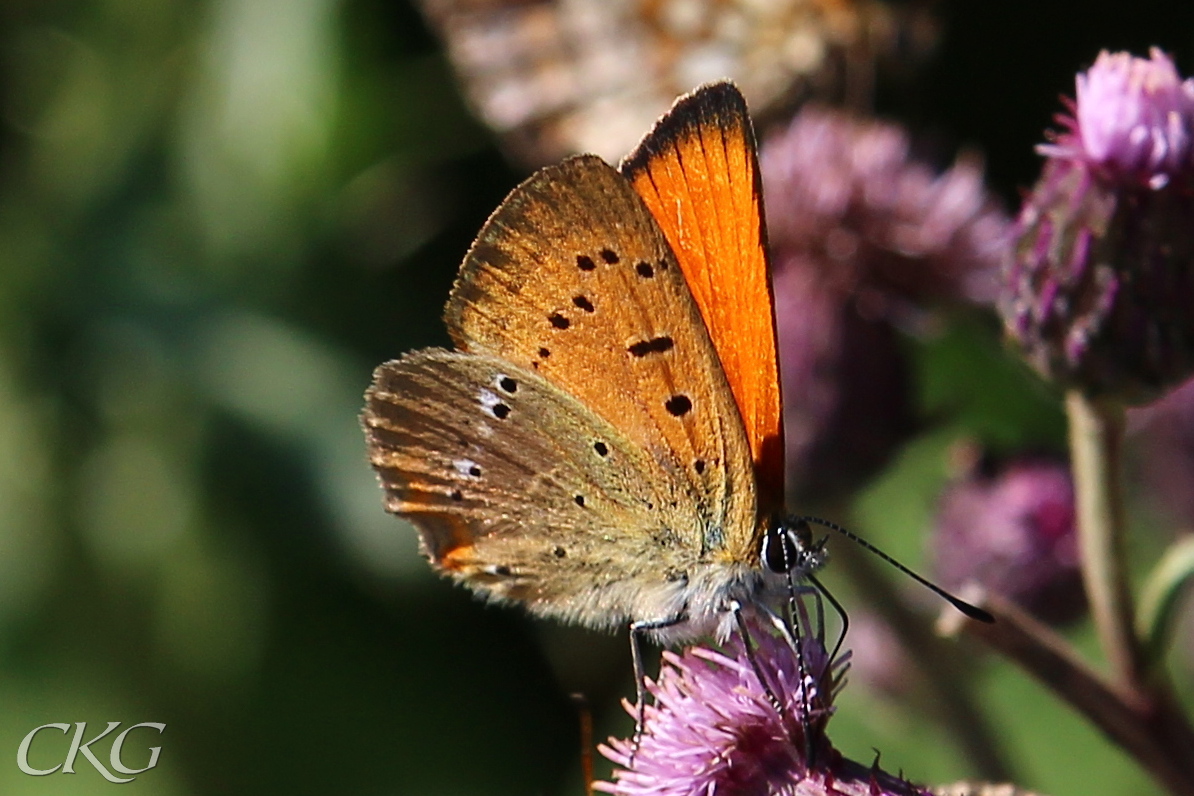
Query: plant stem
{"type": "Point", "coordinates": [1096, 441]}
{"type": "Point", "coordinates": [1151, 728]}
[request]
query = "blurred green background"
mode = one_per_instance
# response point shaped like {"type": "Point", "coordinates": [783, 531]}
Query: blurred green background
{"type": "Point", "coordinates": [216, 216]}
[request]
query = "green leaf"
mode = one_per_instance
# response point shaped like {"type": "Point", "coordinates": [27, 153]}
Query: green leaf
{"type": "Point", "coordinates": [1162, 594]}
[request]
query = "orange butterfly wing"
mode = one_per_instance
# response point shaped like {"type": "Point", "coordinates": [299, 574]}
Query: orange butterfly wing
{"type": "Point", "coordinates": [699, 176]}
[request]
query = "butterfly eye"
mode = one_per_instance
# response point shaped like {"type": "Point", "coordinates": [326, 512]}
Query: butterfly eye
{"type": "Point", "coordinates": [788, 545]}
{"type": "Point", "coordinates": [779, 549]}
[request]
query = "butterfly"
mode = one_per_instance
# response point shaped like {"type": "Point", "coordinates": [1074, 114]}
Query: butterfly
{"type": "Point", "coordinates": [605, 443]}
{"type": "Point", "coordinates": [555, 77]}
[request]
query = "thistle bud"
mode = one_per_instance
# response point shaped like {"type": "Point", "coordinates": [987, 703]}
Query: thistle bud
{"type": "Point", "coordinates": [1099, 290]}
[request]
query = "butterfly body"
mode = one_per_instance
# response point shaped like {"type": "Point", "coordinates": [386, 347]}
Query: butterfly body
{"type": "Point", "coordinates": [605, 445]}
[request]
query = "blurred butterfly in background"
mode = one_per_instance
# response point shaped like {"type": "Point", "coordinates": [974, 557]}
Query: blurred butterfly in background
{"type": "Point", "coordinates": [556, 77]}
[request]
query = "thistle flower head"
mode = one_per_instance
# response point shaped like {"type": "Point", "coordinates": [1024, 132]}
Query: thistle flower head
{"type": "Point", "coordinates": [1011, 528]}
{"type": "Point", "coordinates": [848, 401]}
{"type": "Point", "coordinates": [1133, 119]}
{"type": "Point", "coordinates": [845, 197]}
{"type": "Point", "coordinates": [865, 238]}
{"type": "Point", "coordinates": [1097, 295]}
{"type": "Point", "coordinates": [714, 729]}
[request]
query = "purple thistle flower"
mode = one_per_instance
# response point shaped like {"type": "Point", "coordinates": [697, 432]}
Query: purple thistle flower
{"type": "Point", "coordinates": [1012, 529]}
{"type": "Point", "coordinates": [714, 731]}
{"type": "Point", "coordinates": [847, 387]}
{"type": "Point", "coordinates": [1132, 118]}
{"type": "Point", "coordinates": [864, 239]}
{"type": "Point", "coordinates": [844, 195]}
{"type": "Point", "coordinates": [1098, 293]}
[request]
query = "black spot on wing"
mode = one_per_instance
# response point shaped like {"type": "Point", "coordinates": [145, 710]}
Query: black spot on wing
{"type": "Point", "coordinates": [656, 345]}
{"type": "Point", "coordinates": [678, 405]}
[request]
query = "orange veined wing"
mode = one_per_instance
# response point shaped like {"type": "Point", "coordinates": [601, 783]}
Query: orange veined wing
{"type": "Point", "coordinates": [698, 174]}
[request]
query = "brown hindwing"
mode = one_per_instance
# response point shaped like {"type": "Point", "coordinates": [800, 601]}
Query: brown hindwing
{"type": "Point", "coordinates": [523, 494]}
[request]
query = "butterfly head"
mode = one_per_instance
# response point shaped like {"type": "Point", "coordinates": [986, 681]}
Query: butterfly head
{"type": "Point", "coordinates": [789, 547]}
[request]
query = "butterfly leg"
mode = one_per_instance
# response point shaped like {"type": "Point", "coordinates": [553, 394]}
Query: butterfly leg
{"type": "Point", "coordinates": [819, 604]}
{"type": "Point", "coordinates": [638, 631]}
{"type": "Point", "coordinates": [736, 607]}
{"type": "Point", "coordinates": [777, 621]}
{"type": "Point", "coordinates": [839, 609]}
{"type": "Point", "coordinates": [820, 679]}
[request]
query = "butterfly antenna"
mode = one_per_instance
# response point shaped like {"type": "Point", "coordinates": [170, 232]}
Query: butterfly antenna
{"type": "Point", "coordinates": [972, 611]}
